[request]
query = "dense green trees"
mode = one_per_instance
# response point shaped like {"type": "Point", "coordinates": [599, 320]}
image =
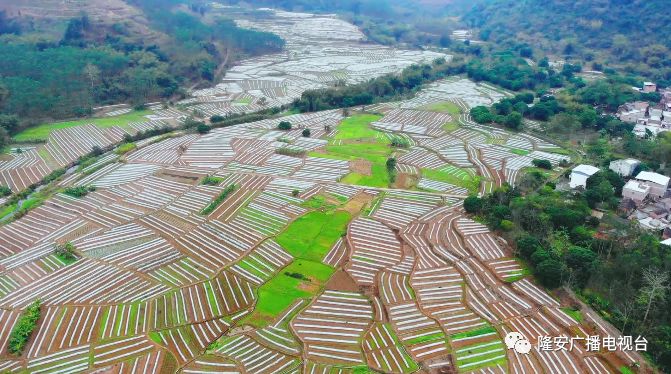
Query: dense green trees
{"type": "Point", "coordinates": [555, 233]}
{"type": "Point", "coordinates": [385, 88]}
{"type": "Point", "coordinates": [608, 31]}
{"type": "Point", "coordinates": [96, 64]}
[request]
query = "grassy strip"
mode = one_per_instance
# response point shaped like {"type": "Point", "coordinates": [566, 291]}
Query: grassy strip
{"type": "Point", "coordinates": [24, 328]}
{"type": "Point", "coordinates": [42, 132]}
{"type": "Point", "coordinates": [222, 196]}
{"type": "Point", "coordinates": [472, 333]}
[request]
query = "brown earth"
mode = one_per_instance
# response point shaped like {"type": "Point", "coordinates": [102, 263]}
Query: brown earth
{"type": "Point", "coordinates": [341, 281]}
{"type": "Point", "coordinates": [405, 181]}
{"type": "Point", "coordinates": [360, 166]}
{"type": "Point", "coordinates": [356, 203]}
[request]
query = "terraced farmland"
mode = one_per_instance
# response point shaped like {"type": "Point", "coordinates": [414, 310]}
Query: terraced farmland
{"type": "Point", "coordinates": [311, 263]}
{"type": "Point", "coordinates": [316, 261]}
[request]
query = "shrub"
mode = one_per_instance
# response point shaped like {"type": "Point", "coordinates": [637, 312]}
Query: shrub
{"type": "Point", "coordinates": [65, 252]}
{"type": "Point", "coordinates": [24, 328]}
{"type": "Point", "coordinates": [284, 125]}
{"type": "Point", "coordinates": [399, 142]}
{"type": "Point", "coordinates": [217, 118]}
{"type": "Point", "coordinates": [79, 191]}
{"type": "Point", "coordinates": [306, 133]}
{"type": "Point", "coordinates": [290, 152]}
{"type": "Point", "coordinates": [202, 128]}
{"type": "Point", "coordinates": [472, 204]}
{"type": "Point", "coordinates": [211, 180]}
{"type": "Point", "coordinates": [506, 225]}
{"type": "Point", "coordinates": [222, 196]}
{"type": "Point", "coordinates": [5, 191]}
{"type": "Point", "coordinates": [125, 148]}
{"type": "Point", "coordinates": [543, 164]}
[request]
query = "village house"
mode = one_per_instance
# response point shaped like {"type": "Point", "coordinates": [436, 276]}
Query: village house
{"type": "Point", "coordinates": [649, 87]}
{"type": "Point", "coordinates": [658, 183]}
{"type": "Point", "coordinates": [636, 191]}
{"type": "Point", "coordinates": [624, 168]}
{"type": "Point", "coordinates": [580, 174]}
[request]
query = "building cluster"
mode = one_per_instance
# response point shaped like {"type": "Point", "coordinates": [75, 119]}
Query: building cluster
{"type": "Point", "coordinates": [648, 120]}
{"type": "Point", "coordinates": [646, 197]}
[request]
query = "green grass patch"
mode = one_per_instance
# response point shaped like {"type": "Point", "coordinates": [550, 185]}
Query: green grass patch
{"type": "Point", "coordinates": [318, 202]}
{"type": "Point", "coordinates": [41, 132]}
{"type": "Point", "coordinates": [155, 337]}
{"type": "Point", "coordinates": [626, 370]}
{"type": "Point", "coordinates": [426, 338]}
{"type": "Point", "coordinates": [573, 313]}
{"type": "Point", "coordinates": [477, 332]}
{"type": "Point", "coordinates": [481, 355]}
{"type": "Point", "coordinates": [312, 235]}
{"type": "Point", "coordinates": [6, 210]}
{"type": "Point", "coordinates": [443, 107]}
{"type": "Point", "coordinates": [282, 290]}
{"type": "Point", "coordinates": [520, 152]}
{"type": "Point", "coordinates": [245, 101]}
{"type": "Point", "coordinates": [457, 178]}
{"type": "Point", "coordinates": [125, 148]}
{"type": "Point", "coordinates": [450, 126]}
{"type": "Point", "coordinates": [357, 127]}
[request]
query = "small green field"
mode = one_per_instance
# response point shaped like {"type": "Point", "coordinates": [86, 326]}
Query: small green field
{"type": "Point", "coordinates": [521, 152]}
{"type": "Point", "coordinates": [41, 132]}
{"type": "Point", "coordinates": [312, 235]}
{"type": "Point", "coordinates": [455, 176]}
{"type": "Point", "coordinates": [573, 313]}
{"type": "Point", "coordinates": [356, 127]}
{"type": "Point", "coordinates": [282, 290]}
{"type": "Point", "coordinates": [356, 140]}
{"type": "Point", "coordinates": [444, 107]}
{"type": "Point", "coordinates": [243, 101]}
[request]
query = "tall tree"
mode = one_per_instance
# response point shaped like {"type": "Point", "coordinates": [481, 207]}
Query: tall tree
{"type": "Point", "coordinates": [655, 288]}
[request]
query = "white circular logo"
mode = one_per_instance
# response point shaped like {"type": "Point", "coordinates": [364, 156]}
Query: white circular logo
{"type": "Point", "coordinates": [515, 340]}
{"type": "Point", "coordinates": [522, 346]}
{"type": "Point", "coordinates": [512, 338]}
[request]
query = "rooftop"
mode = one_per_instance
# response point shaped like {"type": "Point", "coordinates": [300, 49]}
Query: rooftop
{"type": "Point", "coordinates": [634, 185]}
{"type": "Point", "coordinates": [653, 177]}
{"type": "Point", "coordinates": [586, 169]}
{"type": "Point", "coordinates": [628, 161]}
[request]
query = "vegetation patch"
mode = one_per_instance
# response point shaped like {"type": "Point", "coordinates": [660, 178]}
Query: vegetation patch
{"type": "Point", "coordinates": [454, 176]}
{"type": "Point", "coordinates": [312, 235]}
{"type": "Point", "coordinates": [66, 253]}
{"type": "Point", "coordinates": [42, 132]}
{"type": "Point", "coordinates": [79, 191]}
{"type": "Point", "coordinates": [125, 148]}
{"type": "Point", "coordinates": [300, 279]}
{"type": "Point", "coordinates": [444, 107]}
{"type": "Point", "coordinates": [218, 200]}
{"type": "Point", "coordinates": [24, 328]}
{"type": "Point", "coordinates": [211, 180]}
{"type": "Point", "coordinates": [357, 127]}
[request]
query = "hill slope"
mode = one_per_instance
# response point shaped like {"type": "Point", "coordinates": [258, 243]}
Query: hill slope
{"type": "Point", "coordinates": [617, 33]}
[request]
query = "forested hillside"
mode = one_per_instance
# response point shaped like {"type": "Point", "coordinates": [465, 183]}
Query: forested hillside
{"type": "Point", "coordinates": [59, 63]}
{"type": "Point", "coordinates": [627, 34]}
